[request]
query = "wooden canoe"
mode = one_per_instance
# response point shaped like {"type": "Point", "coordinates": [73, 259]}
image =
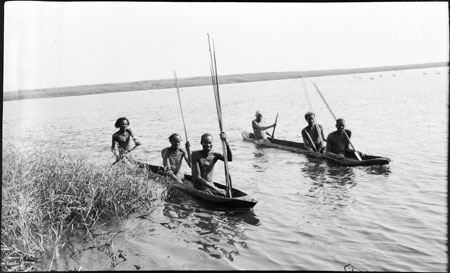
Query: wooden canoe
{"type": "Point", "coordinates": [151, 168]}
{"type": "Point", "coordinates": [298, 147]}
{"type": "Point", "coordinates": [240, 199]}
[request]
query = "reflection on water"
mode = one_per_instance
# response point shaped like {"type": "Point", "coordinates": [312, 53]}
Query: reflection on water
{"type": "Point", "coordinates": [261, 163]}
{"type": "Point", "coordinates": [217, 233]}
{"type": "Point", "coordinates": [378, 170]}
{"type": "Point", "coordinates": [331, 184]}
{"type": "Point", "coordinates": [293, 190]}
{"type": "Point", "coordinates": [322, 171]}
{"type": "Point", "coordinates": [319, 170]}
{"type": "Point", "coordinates": [341, 175]}
{"type": "Point", "coordinates": [315, 170]}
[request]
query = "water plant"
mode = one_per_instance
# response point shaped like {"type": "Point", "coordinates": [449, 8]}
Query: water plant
{"type": "Point", "coordinates": [50, 194]}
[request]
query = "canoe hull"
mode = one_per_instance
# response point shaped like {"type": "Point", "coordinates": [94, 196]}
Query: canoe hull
{"type": "Point", "coordinates": [240, 199]}
{"type": "Point", "coordinates": [367, 160]}
{"type": "Point", "coordinates": [151, 168]}
{"type": "Point", "coordinates": [298, 147]}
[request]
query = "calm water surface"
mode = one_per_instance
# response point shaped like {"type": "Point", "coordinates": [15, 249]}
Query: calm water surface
{"type": "Point", "coordinates": [310, 215]}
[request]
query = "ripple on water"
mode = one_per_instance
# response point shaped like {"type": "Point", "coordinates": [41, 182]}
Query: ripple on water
{"type": "Point", "coordinates": [310, 215]}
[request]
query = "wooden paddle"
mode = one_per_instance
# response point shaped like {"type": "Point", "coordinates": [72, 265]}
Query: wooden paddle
{"type": "Point", "coordinates": [182, 116]}
{"type": "Point", "coordinates": [312, 142]}
{"type": "Point", "coordinates": [310, 104]}
{"type": "Point", "coordinates": [329, 108]}
{"type": "Point", "coordinates": [179, 100]}
{"type": "Point", "coordinates": [273, 132]}
{"type": "Point", "coordinates": [122, 157]}
{"type": "Point", "coordinates": [215, 83]}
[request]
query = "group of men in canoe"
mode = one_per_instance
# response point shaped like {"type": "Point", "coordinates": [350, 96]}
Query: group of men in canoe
{"type": "Point", "coordinates": [337, 143]}
{"type": "Point", "coordinates": [201, 162]}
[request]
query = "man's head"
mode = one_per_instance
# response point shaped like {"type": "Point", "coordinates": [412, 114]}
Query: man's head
{"type": "Point", "coordinates": [258, 116]}
{"type": "Point", "coordinates": [122, 123]}
{"type": "Point", "coordinates": [310, 117]}
{"type": "Point", "coordinates": [175, 140]}
{"type": "Point", "coordinates": [340, 125]}
{"type": "Point", "coordinates": [206, 141]}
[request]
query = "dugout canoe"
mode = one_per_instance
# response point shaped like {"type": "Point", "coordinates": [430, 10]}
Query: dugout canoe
{"type": "Point", "coordinates": [151, 168]}
{"type": "Point", "coordinates": [240, 199]}
{"type": "Point", "coordinates": [298, 147]}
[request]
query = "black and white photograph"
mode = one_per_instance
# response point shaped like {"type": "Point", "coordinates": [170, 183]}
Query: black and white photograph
{"type": "Point", "coordinates": [225, 136]}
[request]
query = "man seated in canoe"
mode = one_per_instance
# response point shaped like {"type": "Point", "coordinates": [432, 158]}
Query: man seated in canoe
{"type": "Point", "coordinates": [313, 136]}
{"type": "Point", "coordinates": [258, 128]}
{"type": "Point", "coordinates": [338, 142]}
{"type": "Point", "coordinates": [122, 138]}
{"type": "Point", "coordinates": [203, 162]}
{"type": "Point", "coordinates": [173, 157]}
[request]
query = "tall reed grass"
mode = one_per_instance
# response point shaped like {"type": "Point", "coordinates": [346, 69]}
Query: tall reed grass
{"type": "Point", "coordinates": [48, 194]}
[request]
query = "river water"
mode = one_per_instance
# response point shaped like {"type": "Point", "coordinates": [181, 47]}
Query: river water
{"type": "Point", "coordinates": [310, 215]}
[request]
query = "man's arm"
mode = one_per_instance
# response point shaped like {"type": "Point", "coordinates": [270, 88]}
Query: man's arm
{"type": "Point", "coordinates": [136, 141]}
{"type": "Point", "coordinates": [328, 147]}
{"type": "Point", "coordinates": [306, 141]}
{"type": "Point", "coordinates": [113, 145]}
{"type": "Point", "coordinates": [258, 127]}
{"type": "Point", "coordinates": [223, 137]}
{"type": "Point", "coordinates": [352, 149]}
{"type": "Point", "coordinates": [195, 169]}
{"type": "Point", "coordinates": [347, 144]}
{"type": "Point", "coordinates": [188, 152]}
{"type": "Point", "coordinates": [113, 148]}
{"type": "Point", "coordinates": [221, 157]}
{"type": "Point", "coordinates": [321, 132]}
{"type": "Point", "coordinates": [321, 136]}
{"type": "Point", "coordinates": [166, 162]}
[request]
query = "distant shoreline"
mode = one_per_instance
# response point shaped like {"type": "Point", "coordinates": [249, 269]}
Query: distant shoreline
{"type": "Point", "coordinates": [197, 81]}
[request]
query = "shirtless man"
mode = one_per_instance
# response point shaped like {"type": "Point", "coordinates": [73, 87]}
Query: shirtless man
{"type": "Point", "coordinates": [312, 134]}
{"type": "Point", "coordinates": [337, 142]}
{"type": "Point", "coordinates": [122, 138]}
{"type": "Point", "coordinates": [203, 162]}
{"type": "Point", "coordinates": [173, 157]}
{"type": "Point", "coordinates": [258, 128]}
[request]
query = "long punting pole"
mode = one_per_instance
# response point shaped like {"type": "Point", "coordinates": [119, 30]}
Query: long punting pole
{"type": "Point", "coordinates": [310, 104]}
{"type": "Point", "coordinates": [215, 83]}
{"type": "Point", "coordinates": [306, 93]}
{"type": "Point", "coordinates": [179, 100]}
{"type": "Point", "coordinates": [331, 111]}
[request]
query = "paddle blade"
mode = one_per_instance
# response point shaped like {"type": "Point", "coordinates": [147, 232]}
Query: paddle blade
{"type": "Point", "coordinates": [273, 132]}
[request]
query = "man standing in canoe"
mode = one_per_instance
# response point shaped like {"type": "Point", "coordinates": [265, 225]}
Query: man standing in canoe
{"type": "Point", "coordinates": [173, 157]}
{"type": "Point", "coordinates": [338, 145]}
{"type": "Point", "coordinates": [122, 138]}
{"type": "Point", "coordinates": [203, 162]}
{"type": "Point", "coordinates": [258, 128]}
{"type": "Point", "coordinates": [313, 136]}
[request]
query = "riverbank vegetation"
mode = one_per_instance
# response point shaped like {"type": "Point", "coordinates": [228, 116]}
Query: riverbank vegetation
{"type": "Point", "coordinates": [48, 195]}
{"type": "Point", "coordinates": [197, 81]}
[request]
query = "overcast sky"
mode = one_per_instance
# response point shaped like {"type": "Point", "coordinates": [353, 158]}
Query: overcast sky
{"type": "Point", "coordinates": [53, 44]}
